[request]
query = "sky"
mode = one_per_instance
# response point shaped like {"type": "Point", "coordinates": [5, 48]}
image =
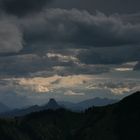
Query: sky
{"type": "Point", "coordinates": [69, 50]}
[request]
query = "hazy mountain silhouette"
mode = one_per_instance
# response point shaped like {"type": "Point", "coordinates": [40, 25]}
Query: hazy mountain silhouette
{"type": "Point", "coordinates": [52, 104]}
{"type": "Point", "coordinates": [96, 102]}
{"type": "Point", "coordinates": [119, 121]}
{"type": "Point", "coordinates": [4, 108]}
{"type": "Point", "coordinates": [87, 103]}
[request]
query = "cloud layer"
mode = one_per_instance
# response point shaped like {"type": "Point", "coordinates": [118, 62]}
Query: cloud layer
{"type": "Point", "coordinates": [71, 54]}
{"type": "Point", "coordinates": [108, 6]}
{"type": "Point", "coordinates": [22, 7]}
{"type": "Point", "coordinates": [80, 29]}
{"type": "Point", "coordinates": [66, 42]}
{"type": "Point", "coordinates": [11, 37]}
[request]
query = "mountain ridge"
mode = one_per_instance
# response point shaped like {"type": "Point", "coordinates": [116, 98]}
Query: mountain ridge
{"type": "Point", "coordinates": [52, 104]}
{"type": "Point", "coordinates": [4, 108]}
{"type": "Point", "coordinates": [112, 122]}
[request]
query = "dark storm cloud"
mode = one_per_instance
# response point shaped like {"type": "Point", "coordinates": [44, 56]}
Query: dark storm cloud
{"type": "Point", "coordinates": [36, 41]}
{"type": "Point", "coordinates": [106, 6]}
{"type": "Point", "coordinates": [107, 38]}
{"type": "Point", "coordinates": [24, 65]}
{"type": "Point", "coordinates": [80, 69]}
{"type": "Point", "coordinates": [117, 55]}
{"type": "Point", "coordinates": [23, 7]}
{"type": "Point", "coordinates": [131, 18]}
{"type": "Point", "coordinates": [11, 37]}
{"type": "Point", "coordinates": [59, 27]}
{"type": "Point", "coordinates": [34, 65]}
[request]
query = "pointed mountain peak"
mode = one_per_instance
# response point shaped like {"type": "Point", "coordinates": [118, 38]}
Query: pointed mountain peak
{"type": "Point", "coordinates": [52, 101]}
{"type": "Point", "coordinates": [52, 104]}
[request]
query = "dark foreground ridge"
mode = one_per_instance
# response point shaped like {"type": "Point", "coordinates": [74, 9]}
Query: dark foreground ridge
{"type": "Point", "coordinates": [120, 121]}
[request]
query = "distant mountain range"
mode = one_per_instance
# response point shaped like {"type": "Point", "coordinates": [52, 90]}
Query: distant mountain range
{"type": "Point", "coordinates": [87, 103]}
{"type": "Point", "coordinates": [52, 104]}
{"type": "Point", "coordinates": [119, 121]}
{"type": "Point", "coordinates": [4, 108]}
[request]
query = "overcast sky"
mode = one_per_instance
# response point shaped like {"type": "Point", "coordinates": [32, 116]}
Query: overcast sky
{"type": "Point", "coordinates": [68, 49]}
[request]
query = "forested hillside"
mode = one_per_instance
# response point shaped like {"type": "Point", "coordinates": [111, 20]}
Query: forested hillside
{"type": "Point", "coordinates": [119, 121]}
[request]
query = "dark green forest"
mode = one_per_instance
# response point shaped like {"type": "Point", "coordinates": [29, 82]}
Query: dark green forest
{"type": "Point", "coordinates": [119, 121]}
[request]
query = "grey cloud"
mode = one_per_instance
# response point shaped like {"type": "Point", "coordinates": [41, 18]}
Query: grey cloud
{"type": "Point", "coordinates": [23, 7]}
{"type": "Point", "coordinates": [106, 39]}
{"type": "Point", "coordinates": [118, 86]}
{"type": "Point", "coordinates": [11, 40]}
{"type": "Point", "coordinates": [131, 18]}
{"type": "Point", "coordinates": [81, 69]}
{"type": "Point", "coordinates": [106, 6]}
{"type": "Point", "coordinates": [34, 65]}
{"type": "Point", "coordinates": [25, 65]}
{"type": "Point", "coordinates": [109, 55]}
{"type": "Point", "coordinates": [78, 29]}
